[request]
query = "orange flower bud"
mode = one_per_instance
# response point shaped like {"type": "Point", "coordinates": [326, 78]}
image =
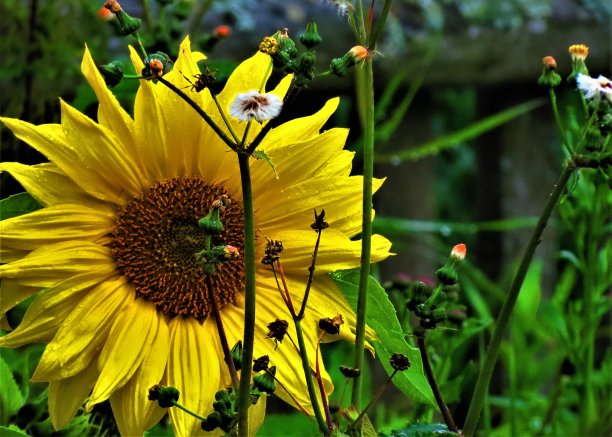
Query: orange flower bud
{"type": "Point", "coordinates": [459, 251]}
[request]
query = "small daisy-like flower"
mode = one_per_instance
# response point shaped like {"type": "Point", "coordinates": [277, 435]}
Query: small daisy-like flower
{"type": "Point", "coordinates": [593, 87]}
{"type": "Point", "coordinates": [124, 304]}
{"type": "Point", "coordinates": [578, 52]}
{"type": "Point", "coordinates": [254, 105]}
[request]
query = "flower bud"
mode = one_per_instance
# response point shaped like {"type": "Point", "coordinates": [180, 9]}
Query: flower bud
{"type": "Point", "coordinates": [211, 224]}
{"type": "Point", "coordinates": [212, 422]}
{"type": "Point", "coordinates": [222, 31]}
{"type": "Point", "coordinates": [155, 65]}
{"type": "Point", "coordinates": [331, 326]}
{"type": "Point", "coordinates": [578, 53]}
{"type": "Point", "coordinates": [261, 363]}
{"type": "Point", "coordinates": [165, 396]}
{"type": "Point", "coordinates": [311, 38]}
{"type": "Point", "coordinates": [549, 77]}
{"type": "Point", "coordinates": [340, 66]}
{"type": "Point", "coordinates": [112, 73]}
{"type": "Point", "coordinates": [399, 362]}
{"type": "Point", "coordinates": [319, 223]}
{"type": "Point", "coordinates": [277, 330]}
{"type": "Point", "coordinates": [349, 372]}
{"type": "Point", "coordinates": [286, 44]}
{"type": "Point", "coordinates": [265, 381]}
{"type": "Point", "coordinates": [237, 355]}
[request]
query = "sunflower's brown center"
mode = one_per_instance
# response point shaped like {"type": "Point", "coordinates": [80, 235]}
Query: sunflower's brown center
{"type": "Point", "coordinates": [156, 239]}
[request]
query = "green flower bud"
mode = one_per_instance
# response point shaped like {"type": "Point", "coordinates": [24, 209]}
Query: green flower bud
{"type": "Point", "coordinates": [211, 224]}
{"type": "Point", "coordinates": [127, 24]}
{"type": "Point", "coordinates": [265, 381]}
{"type": "Point", "coordinates": [311, 38]}
{"type": "Point", "coordinates": [286, 44]}
{"type": "Point", "coordinates": [447, 275]}
{"type": "Point", "coordinates": [237, 355]}
{"type": "Point", "coordinates": [340, 66]}
{"type": "Point", "coordinates": [579, 53]}
{"type": "Point", "coordinates": [156, 65]}
{"type": "Point", "coordinates": [549, 77]}
{"type": "Point", "coordinates": [212, 422]}
{"type": "Point", "coordinates": [438, 315]}
{"type": "Point", "coordinates": [165, 396]}
{"type": "Point", "coordinates": [112, 73]}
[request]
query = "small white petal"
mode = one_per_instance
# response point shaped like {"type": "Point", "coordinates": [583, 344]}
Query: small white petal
{"type": "Point", "coordinates": [253, 105]}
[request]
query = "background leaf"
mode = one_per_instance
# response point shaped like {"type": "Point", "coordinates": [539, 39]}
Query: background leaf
{"type": "Point", "coordinates": [11, 399]}
{"type": "Point", "coordinates": [16, 205]}
{"type": "Point", "coordinates": [381, 317]}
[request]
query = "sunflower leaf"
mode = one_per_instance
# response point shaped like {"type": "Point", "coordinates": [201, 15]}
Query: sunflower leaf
{"type": "Point", "coordinates": [381, 317]}
{"type": "Point", "coordinates": [11, 399]}
{"type": "Point", "coordinates": [12, 431]}
{"type": "Point", "coordinates": [16, 205]}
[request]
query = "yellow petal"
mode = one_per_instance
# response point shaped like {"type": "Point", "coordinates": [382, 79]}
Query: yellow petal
{"type": "Point", "coordinates": [132, 333]}
{"type": "Point", "coordinates": [51, 225]}
{"type": "Point", "coordinates": [193, 368]}
{"type": "Point", "coordinates": [301, 129]}
{"type": "Point", "coordinates": [110, 112]}
{"type": "Point", "coordinates": [132, 409]}
{"type": "Point", "coordinates": [84, 331]}
{"type": "Point", "coordinates": [48, 311]}
{"type": "Point", "coordinates": [12, 293]}
{"type": "Point", "coordinates": [336, 250]}
{"type": "Point", "coordinates": [67, 395]}
{"type": "Point", "coordinates": [317, 157]}
{"type": "Point", "coordinates": [48, 185]}
{"type": "Point", "coordinates": [48, 265]}
{"type": "Point", "coordinates": [337, 195]}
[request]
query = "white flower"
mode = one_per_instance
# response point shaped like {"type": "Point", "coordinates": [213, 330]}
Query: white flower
{"type": "Point", "coordinates": [592, 87]}
{"type": "Point", "coordinates": [253, 105]}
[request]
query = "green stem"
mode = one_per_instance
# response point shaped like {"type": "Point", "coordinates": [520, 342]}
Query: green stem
{"type": "Point", "coordinates": [366, 82]}
{"type": "Point", "coordinates": [482, 384]}
{"type": "Point", "coordinates": [380, 25]}
{"type": "Point", "coordinates": [141, 47]}
{"type": "Point", "coordinates": [188, 411]}
{"type": "Point", "coordinates": [225, 120]}
{"type": "Point", "coordinates": [308, 376]}
{"type": "Point", "coordinates": [562, 130]}
{"type": "Point", "coordinates": [200, 112]}
{"type": "Point", "coordinates": [311, 271]}
{"type": "Point", "coordinates": [249, 294]}
{"type": "Point", "coordinates": [227, 353]}
{"type": "Point", "coordinates": [448, 418]}
{"type": "Point", "coordinates": [375, 398]}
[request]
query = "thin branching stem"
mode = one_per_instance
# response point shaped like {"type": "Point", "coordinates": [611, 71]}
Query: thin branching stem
{"type": "Point", "coordinates": [222, 336]}
{"type": "Point", "coordinates": [308, 376]}
{"type": "Point", "coordinates": [448, 418]}
{"type": "Point", "coordinates": [311, 271]}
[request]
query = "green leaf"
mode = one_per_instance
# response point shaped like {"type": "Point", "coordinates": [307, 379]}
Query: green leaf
{"type": "Point", "coordinates": [11, 399]}
{"type": "Point", "coordinates": [381, 317]}
{"type": "Point", "coordinates": [474, 130]}
{"type": "Point", "coordinates": [260, 154]}
{"type": "Point", "coordinates": [529, 298]}
{"type": "Point", "coordinates": [12, 431]}
{"type": "Point", "coordinates": [422, 430]}
{"type": "Point", "coordinates": [16, 205]}
{"type": "Point", "coordinates": [288, 425]}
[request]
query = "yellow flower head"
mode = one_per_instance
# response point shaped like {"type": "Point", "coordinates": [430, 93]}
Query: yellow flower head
{"type": "Point", "coordinates": [125, 304]}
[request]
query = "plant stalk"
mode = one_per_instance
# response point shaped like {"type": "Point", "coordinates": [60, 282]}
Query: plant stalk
{"type": "Point", "coordinates": [308, 376]}
{"type": "Point", "coordinates": [448, 418]}
{"type": "Point", "coordinates": [249, 295]}
{"type": "Point", "coordinates": [366, 83]}
{"type": "Point", "coordinates": [482, 384]}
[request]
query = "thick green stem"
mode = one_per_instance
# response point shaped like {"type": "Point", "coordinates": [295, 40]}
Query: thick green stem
{"type": "Point", "coordinates": [366, 83]}
{"type": "Point", "coordinates": [249, 294]}
{"type": "Point", "coordinates": [482, 384]}
{"type": "Point", "coordinates": [312, 394]}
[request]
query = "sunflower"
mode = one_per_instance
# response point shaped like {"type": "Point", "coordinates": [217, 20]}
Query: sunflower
{"type": "Point", "coordinates": [124, 305]}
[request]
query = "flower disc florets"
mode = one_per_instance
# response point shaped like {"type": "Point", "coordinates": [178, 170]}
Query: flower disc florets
{"type": "Point", "coordinates": [155, 241]}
